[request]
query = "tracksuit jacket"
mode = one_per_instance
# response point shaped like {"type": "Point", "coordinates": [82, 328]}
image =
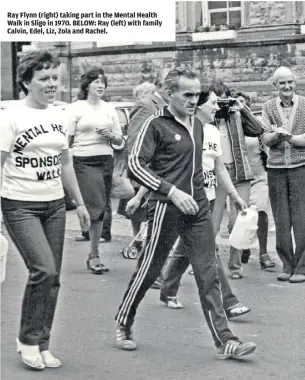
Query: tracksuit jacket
{"type": "Point", "coordinates": [166, 153]}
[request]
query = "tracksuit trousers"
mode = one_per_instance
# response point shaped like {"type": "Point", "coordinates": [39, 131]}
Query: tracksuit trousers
{"type": "Point", "coordinates": [165, 223]}
{"type": "Point", "coordinates": [177, 264]}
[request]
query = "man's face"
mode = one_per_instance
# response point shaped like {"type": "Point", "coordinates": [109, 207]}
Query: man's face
{"type": "Point", "coordinates": [183, 101]}
{"type": "Point", "coordinates": [43, 86]}
{"type": "Point", "coordinates": [286, 85]}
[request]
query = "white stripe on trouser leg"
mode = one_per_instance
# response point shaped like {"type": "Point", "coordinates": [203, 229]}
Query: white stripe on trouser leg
{"type": "Point", "coordinates": [148, 256]}
{"type": "Point", "coordinates": [145, 256]}
{"type": "Point", "coordinates": [221, 296]}
{"type": "Point", "coordinates": [213, 327]}
{"type": "Point", "coordinates": [157, 224]}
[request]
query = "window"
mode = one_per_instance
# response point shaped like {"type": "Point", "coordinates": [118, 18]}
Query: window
{"type": "Point", "coordinates": [224, 12]}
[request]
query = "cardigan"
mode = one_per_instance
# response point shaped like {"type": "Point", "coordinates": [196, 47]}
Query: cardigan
{"type": "Point", "coordinates": [281, 153]}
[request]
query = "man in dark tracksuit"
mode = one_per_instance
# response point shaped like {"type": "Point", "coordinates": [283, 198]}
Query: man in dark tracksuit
{"type": "Point", "coordinates": [167, 159]}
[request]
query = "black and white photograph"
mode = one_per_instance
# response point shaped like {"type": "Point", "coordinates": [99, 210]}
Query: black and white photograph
{"type": "Point", "coordinates": [153, 197]}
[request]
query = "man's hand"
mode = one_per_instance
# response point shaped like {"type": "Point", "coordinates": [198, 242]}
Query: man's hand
{"type": "Point", "coordinates": [239, 202]}
{"type": "Point", "coordinates": [84, 218]}
{"type": "Point", "coordinates": [184, 202]}
{"type": "Point", "coordinates": [132, 205]}
{"type": "Point", "coordinates": [283, 134]}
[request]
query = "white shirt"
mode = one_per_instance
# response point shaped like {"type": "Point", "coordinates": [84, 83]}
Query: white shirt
{"type": "Point", "coordinates": [211, 150]}
{"type": "Point", "coordinates": [83, 122]}
{"type": "Point", "coordinates": [254, 155]}
{"type": "Point", "coordinates": [225, 142]}
{"type": "Point", "coordinates": [35, 139]}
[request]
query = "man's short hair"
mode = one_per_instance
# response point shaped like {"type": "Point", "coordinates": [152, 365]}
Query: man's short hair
{"type": "Point", "coordinates": [280, 71]}
{"type": "Point", "coordinates": [34, 61]}
{"type": "Point", "coordinates": [143, 90]}
{"type": "Point", "coordinates": [171, 82]}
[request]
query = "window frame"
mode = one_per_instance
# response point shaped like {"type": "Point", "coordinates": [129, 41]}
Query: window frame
{"type": "Point", "coordinates": [222, 10]}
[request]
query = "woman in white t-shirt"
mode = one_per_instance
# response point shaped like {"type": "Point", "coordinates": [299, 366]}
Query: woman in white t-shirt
{"type": "Point", "coordinates": [36, 163]}
{"type": "Point", "coordinates": [94, 128]}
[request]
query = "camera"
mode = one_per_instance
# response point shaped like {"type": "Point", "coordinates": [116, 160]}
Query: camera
{"type": "Point", "coordinates": [224, 105]}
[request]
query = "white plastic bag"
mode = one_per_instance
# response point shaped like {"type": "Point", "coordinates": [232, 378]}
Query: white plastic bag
{"type": "Point", "coordinates": [244, 232]}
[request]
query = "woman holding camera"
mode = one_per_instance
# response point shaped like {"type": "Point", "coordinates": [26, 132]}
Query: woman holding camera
{"type": "Point", "coordinates": [93, 128]}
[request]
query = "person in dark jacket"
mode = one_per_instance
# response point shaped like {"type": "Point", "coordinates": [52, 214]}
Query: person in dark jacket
{"type": "Point", "coordinates": [167, 159]}
{"type": "Point", "coordinates": [143, 108]}
{"type": "Point", "coordinates": [234, 124]}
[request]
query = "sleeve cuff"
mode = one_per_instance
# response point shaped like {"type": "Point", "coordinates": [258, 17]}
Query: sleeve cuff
{"type": "Point", "coordinates": [165, 188]}
{"type": "Point", "coordinates": [173, 188]}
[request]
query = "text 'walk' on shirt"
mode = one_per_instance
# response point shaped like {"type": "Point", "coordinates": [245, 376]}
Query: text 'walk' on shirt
{"type": "Point", "coordinates": [84, 120]}
{"type": "Point", "coordinates": [35, 139]}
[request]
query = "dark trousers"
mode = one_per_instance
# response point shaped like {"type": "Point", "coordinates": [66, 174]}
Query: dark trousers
{"type": "Point", "coordinates": [177, 264]}
{"type": "Point", "coordinates": [287, 199]}
{"type": "Point", "coordinates": [165, 224]}
{"type": "Point", "coordinates": [37, 229]}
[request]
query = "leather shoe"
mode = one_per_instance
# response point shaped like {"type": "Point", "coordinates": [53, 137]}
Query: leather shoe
{"type": "Point", "coordinates": [297, 278]}
{"type": "Point", "coordinates": [284, 277]}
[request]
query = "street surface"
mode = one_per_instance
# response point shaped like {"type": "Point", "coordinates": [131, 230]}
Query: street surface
{"type": "Point", "coordinates": [172, 344]}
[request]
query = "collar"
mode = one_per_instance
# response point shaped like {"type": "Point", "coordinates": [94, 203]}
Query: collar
{"type": "Point", "coordinates": [293, 100]}
{"type": "Point", "coordinates": [168, 114]}
{"type": "Point", "coordinates": [159, 96]}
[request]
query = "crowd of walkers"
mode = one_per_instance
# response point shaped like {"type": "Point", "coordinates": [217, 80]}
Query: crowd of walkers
{"type": "Point", "coordinates": [190, 149]}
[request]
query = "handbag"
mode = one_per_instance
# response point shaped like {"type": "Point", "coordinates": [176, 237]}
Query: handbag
{"type": "Point", "coordinates": [121, 186]}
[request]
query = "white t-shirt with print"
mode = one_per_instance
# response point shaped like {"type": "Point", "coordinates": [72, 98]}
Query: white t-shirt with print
{"type": "Point", "coordinates": [211, 150]}
{"type": "Point", "coordinates": [83, 122]}
{"type": "Point", "coordinates": [35, 139]}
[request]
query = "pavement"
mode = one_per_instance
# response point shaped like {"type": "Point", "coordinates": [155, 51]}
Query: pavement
{"type": "Point", "coordinates": [172, 344]}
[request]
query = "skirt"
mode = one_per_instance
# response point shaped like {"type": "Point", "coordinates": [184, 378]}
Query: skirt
{"type": "Point", "coordinates": [94, 176]}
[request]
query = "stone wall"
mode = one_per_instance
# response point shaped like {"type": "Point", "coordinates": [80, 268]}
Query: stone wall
{"type": "Point", "coordinates": [6, 71]}
{"type": "Point", "coordinates": [267, 12]}
{"type": "Point", "coordinates": [246, 67]}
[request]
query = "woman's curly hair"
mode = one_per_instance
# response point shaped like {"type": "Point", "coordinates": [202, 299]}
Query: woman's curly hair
{"type": "Point", "coordinates": [87, 78]}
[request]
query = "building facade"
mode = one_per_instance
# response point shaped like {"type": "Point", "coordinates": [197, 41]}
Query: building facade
{"type": "Point", "coordinates": [240, 42]}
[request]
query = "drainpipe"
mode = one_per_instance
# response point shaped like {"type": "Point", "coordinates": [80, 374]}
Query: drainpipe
{"type": "Point", "coordinates": [14, 50]}
{"type": "Point", "coordinates": [70, 70]}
